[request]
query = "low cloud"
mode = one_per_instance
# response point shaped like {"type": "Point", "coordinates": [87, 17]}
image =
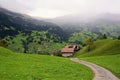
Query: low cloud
{"type": "Point", "coordinates": [56, 8]}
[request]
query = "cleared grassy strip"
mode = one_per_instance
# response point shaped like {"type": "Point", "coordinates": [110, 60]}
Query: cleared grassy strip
{"type": "Point", "coordinates": [35, 67]}
{"type": "Point", "coordinates": [111, 62]}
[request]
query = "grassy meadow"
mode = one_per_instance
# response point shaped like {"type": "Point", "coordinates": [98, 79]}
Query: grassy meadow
{"type": "Point", "coordinates": [105, 53]}
{"type": "Point", "coordinates": [39, 67]}
{"type": "Point", "coordinates": [100, 48]}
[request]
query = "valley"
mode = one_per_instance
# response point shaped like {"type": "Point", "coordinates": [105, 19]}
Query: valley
{"type": "Point", "coordinates": [33, 49]}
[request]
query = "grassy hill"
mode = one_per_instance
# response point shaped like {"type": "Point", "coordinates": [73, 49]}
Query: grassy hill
{"type": "Point", "coordinates": [18, 66]}
{"type": "Point", "coordinates": [100, 48]}
{"type": "Point", "coordinates": [105, 53]}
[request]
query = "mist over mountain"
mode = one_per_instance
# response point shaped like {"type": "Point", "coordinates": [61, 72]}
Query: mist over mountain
{"type": "Point", "coordinates": [12, 23]}
{"type": "Point", "coordinates": [76, 23]}
{"type": "Point", "coordinates": [84, 19]}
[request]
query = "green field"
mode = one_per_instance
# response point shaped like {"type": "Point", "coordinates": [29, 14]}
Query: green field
{"type": "Point", "coordinates": [18, 66]}
{"type": "Point", "coordinates": [111, 62]}
{"type": "Point", "coordinates": [105, 53]}
{"type": "Point", "coordinates": [100, 48]}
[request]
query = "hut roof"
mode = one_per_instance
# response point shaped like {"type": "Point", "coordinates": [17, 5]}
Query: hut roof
{"type": "Point", "coordinates": [67, 50]}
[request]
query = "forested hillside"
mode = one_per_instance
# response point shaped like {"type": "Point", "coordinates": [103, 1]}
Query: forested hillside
{"type": "Point", "coordinates": [12, 23]}
{"type": "Point", "coordinates": [22, 33]}
{"type": "Point", "coordinates": [105, 23]}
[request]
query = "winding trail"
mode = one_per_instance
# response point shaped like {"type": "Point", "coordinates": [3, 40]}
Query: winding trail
{"type": "Point", "coordinates": [100, 72]}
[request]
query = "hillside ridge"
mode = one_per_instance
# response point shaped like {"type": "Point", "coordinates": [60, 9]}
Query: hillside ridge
{"type": "Point", "coordinates": [100, 48]}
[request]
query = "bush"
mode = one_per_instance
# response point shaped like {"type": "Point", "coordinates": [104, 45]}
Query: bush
{"type": "Point", "coordinates": [4, 43]}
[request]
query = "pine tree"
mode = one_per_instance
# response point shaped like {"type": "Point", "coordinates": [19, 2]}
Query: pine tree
{"type": "Point", "coordinates": [104, 36]}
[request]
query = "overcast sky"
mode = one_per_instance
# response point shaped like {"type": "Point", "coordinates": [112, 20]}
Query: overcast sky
{"type": "Point", "coordinates": [56, 8]}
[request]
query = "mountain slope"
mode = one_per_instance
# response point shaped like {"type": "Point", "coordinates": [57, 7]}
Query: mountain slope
{"type": "Point", "coordinates": [11, 23]}
{"type": "Point", "coordinates": [105, 23]}
{"type": "Point", "coordinates": [100, 48]}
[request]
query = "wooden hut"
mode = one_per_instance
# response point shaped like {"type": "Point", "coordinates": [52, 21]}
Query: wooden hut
{"type": "Point", "coordinates": [68, 51]}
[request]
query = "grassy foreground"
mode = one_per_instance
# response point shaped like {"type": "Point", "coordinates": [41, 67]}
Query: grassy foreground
{"type": "Point", "coordinates": [105, 53]}
{"type": "Point", "coordinates": [35, 67]}
{"type": "Point", "coordinates": [111, 62]}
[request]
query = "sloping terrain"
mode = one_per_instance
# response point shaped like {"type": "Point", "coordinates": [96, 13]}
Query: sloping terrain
{"type": "Point", "coordinates": [105, 53]}
{"type": "Point", "coordinates": [12, 23]}
{"type": "Point", "coordinates": [100, 48]}
{"type": "Point", "coordinates": [35, 67]}
{"type": "Point", "coordinates": [104, 23]}
{"type": "Point", "coordinates": [29, 34]}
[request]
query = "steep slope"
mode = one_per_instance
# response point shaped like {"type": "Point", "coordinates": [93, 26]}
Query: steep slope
{"type": "Point", "coordinates": [36, 67]}
{"type": "Point", "coordinates": [100, 48]}
{"type": "Point", "coordinates": [12, 23]}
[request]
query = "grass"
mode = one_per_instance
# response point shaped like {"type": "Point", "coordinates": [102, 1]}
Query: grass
{"type": "Point", "coordinates": [38, 67]}
{"type": "Point", "coordinates": [111, 62]}
{"type": "Point", "coordinates": [105, 53]}
{"type": "Point", "coordinates": [101, 48]}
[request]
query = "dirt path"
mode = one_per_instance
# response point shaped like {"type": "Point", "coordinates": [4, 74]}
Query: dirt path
{"type": "Point", "coordinates": [100, 73]}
